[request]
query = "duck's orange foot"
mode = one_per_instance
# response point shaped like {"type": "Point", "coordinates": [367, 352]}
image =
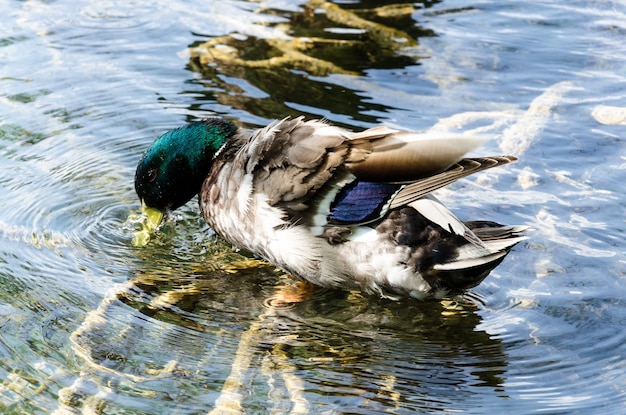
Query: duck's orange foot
{"type": "Point", "coordinates": [287, 296]}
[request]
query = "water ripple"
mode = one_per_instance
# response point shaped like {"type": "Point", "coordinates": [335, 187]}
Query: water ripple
{"type": "Point", "coordinates": [183, 323]}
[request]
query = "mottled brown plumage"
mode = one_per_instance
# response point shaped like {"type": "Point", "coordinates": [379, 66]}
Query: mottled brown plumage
{"type": "Point", "coordinates": [271, 191]}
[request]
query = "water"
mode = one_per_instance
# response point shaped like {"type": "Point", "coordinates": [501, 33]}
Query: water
{"type": "Point", "coordinates": [91, 324]}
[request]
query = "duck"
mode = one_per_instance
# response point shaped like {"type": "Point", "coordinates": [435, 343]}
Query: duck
{"type": "Point", "coordinates": [333, 207]}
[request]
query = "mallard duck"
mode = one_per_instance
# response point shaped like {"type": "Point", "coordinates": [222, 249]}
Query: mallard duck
{"type": "Point", "coordinates": [342, 209]}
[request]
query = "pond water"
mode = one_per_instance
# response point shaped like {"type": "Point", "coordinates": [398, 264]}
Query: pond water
{"type": "Point", "coordinates": [91, 324]}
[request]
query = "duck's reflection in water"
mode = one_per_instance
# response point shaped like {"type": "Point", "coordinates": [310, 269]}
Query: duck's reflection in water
{"type": "Point", "coordinates": [223, 344]}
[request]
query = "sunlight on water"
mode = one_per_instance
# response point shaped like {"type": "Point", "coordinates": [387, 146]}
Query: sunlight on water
{"type": "Point", "coordinates": [90, 323]}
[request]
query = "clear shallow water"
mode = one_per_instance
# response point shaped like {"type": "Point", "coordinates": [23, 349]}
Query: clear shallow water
{"type": "Point", "coordinates": [90, 323]}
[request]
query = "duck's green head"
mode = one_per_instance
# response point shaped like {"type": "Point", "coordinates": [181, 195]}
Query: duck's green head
{"type": "Point", "coordinates": [172, 170]}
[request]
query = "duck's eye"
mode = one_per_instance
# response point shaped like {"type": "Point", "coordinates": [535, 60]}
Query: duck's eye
{"type": "Point", "coordinates": [152, 175]}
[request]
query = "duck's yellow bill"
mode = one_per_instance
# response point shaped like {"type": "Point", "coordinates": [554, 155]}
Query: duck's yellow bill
{"type": "Point", "coordinates": [151, 218]}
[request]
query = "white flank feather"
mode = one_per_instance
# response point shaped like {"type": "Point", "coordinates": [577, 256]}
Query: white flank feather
{"type": "Point", "coordinates": [244, 193]}
{"type": "Point", "coordinates": [363, 234]}
{"type": "Point", "coordinates": [469, 263]}
{"type": "Point", "coordinates": [433, 210]}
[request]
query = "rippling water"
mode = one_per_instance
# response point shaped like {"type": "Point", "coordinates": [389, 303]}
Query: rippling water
{"type": "Point", "coordinates": [91, 324]}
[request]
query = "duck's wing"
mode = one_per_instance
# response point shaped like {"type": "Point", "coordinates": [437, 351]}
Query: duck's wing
{"type": "Point", "coordinates": [291, 160]}
{"type": "Point", "coordinates": [328, 175]}
{"type": "Point", "coordinates": [463, 168]}
{"type": "Point", "coordinates": [400, 156]}
{"type": "Point", "coordinates": [362, 202]}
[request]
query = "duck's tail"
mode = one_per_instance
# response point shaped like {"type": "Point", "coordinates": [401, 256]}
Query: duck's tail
{"type": "Point", "coordinates": [471, 264]}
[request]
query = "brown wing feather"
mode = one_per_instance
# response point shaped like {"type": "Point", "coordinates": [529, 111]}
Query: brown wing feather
{"type": "Point", "coordinates": [295, 158]}
{"type": "Point", "coordinates": [404, 156]}
{"type": "Point", "coordinates": [463, 168]}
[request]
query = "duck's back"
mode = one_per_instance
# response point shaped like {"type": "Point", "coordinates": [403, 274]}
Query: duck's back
{"type": "Point", "coordinates": [339, 209]}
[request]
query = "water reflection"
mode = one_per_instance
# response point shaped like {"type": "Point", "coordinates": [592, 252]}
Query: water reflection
{"type": "Point", "coordinates": [285, 75]}
{"type": "Point", "coordinates": [334, 343]}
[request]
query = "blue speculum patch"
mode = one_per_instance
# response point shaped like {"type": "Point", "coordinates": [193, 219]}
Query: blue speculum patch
{"type": "Point", "coordinates": [361, 201]}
